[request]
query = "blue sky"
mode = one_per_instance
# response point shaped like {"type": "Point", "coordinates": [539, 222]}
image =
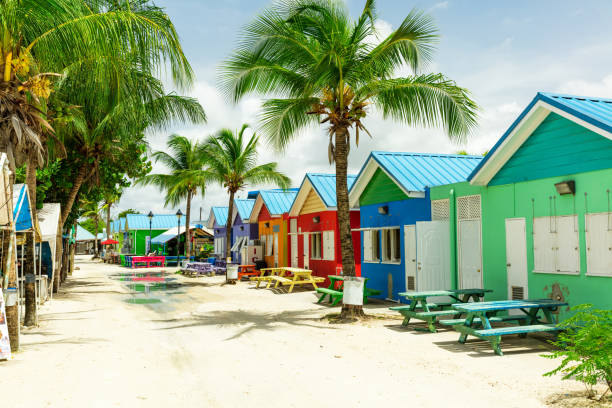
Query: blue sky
{"type": "Point", "coordinates": [502, 51]}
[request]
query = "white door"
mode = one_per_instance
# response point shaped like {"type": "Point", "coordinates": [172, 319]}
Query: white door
{"type": "Point", "coordinates": [433, 255]}
{"type": "Point", "coordinates": [516, 258]}
{"type": "Point", "coordinates": [470, 254]}
{"type": "Point", "coordinates": [294, 242]}
{"type": "Point", "coordinates": [306, 250]}
{"type": "Point", "coordinates": [410, 255]}
{"type": "Point", "coordinates": [276, 250]}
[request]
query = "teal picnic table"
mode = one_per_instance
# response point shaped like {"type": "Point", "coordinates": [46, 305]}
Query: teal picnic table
{"type": "Point", "coordinates": [479, 317]}
{"type": "Point", "coordinates": [419, 308]}
{"type": "Point", "coordinates": [334, 291]}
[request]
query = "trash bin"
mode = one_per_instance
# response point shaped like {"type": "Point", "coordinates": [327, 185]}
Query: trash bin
{"type": "Point", "coordinates": [353, 291]}
{"type": "Point", "coordinates": [232, 272]}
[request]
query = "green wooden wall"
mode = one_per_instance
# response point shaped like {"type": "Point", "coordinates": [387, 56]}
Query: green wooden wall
{"type": "Point", "coordinates": [380, 189]}
{"type": "Point", "coordinates": [557, 147]}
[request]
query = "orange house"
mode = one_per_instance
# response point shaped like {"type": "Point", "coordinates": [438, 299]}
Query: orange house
{"type": "Point", "coordinates": [271, 212]}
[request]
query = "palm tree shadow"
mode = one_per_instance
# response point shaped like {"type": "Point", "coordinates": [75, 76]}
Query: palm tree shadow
{"type": "Point", "coordinates": [253, 320]}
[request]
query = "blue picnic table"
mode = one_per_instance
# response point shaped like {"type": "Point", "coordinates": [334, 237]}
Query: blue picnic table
{"type": "Point", "coordinates": [419, 307]}
{"type": "Point", "coordinates": [479, 317]}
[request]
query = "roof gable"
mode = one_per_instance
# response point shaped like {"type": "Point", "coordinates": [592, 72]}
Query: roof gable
{"type": "Point", "coordinates": [22, 213]}
{"type": "Point", "coordinates": [381, 188]}
{"type": "Point", "coordinates": [218, 217]}
{"type": "Point", "coordinates": [594, 114]}
{"type": "Point", "coordinates": [323, 185]}
{"type": "Point", "coordinates": [243, 208]}
{"type": "Point", "coordinates": [414, 172]}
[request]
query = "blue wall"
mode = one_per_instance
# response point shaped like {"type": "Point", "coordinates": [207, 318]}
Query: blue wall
{"type": "Point", "coordinates": [403, 212]}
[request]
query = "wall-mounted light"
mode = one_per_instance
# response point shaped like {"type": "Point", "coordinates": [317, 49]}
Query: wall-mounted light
{"type": "Point", "coordinates": [383, 210]}
{"type": "Point", "coordinates": [316, 219]}
{"type": "Point", "coordinates": [566, 187]}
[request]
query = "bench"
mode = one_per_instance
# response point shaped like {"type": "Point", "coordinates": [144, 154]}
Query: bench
{"type": "Point", "coordinates": [370, 292]}
{"type": "Point", "coordinates": [334, 295]}
{"type": "Point", "coordinates": [428, 317]}
{"type": "Point", "coordinates": [146, 261]}
{"type": "Point", "coordinates": [510, 318]}
{"type": "Point", "coordinates": [502, 331]}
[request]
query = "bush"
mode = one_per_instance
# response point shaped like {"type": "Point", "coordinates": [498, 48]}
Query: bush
{"type": "Point", "coordinates": [585, 346]}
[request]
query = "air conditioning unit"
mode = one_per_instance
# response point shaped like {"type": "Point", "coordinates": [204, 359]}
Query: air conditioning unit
{"type": "Point", "coordinates": [251, 253]}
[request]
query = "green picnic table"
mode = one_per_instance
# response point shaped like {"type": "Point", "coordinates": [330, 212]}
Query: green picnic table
{"type": "Point", "coordinates": [334, 290]}
{"type": "Point", "coordinates": [479, 317]}
{"type": "Point", "coordinates": [418, 300]}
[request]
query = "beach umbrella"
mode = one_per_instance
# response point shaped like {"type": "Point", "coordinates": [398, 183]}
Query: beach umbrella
{"type": "Point", "coordinates": [109, 242]}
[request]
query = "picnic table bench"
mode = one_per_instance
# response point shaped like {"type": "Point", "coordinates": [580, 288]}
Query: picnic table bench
{"type": "Point", "coordinates": [197, 268]}
{"type": "Point", "coordinates": [246, 270]}
{"type": "Point", "coordinates": [146, 261]}
{"type": "Point", "coordinates": [266, 274]}
{"type": "Point", "coordinates": [479, 317]}
{"type": "Point", "coordinates": [420, 309]}
{"type": "Point", "coordinates": [287, 276]}
{"type": "Point", "coordinates": [335, 292]}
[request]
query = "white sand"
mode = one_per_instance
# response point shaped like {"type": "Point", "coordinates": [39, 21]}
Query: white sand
{"type": "Point", "coordinates": [235, 346]}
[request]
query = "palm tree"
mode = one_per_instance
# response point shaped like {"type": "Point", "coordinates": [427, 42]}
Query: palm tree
{"type": "Point", "coordinates": [186, 162]}
{"type": "Point", "coordinates": [233, 164]}
{"type": "Point", "coordinates": [323, 67]}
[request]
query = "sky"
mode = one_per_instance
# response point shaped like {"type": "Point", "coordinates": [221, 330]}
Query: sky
{"type": "Point", "coordinates": [503, 52]}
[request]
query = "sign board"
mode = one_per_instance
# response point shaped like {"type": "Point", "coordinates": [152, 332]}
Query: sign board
{"type": "Point", "coordinates": [5, 345]}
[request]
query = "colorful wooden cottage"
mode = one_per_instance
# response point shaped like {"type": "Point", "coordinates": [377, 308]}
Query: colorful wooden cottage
{"type": "Point", "coordinates": [534, 220]}
{"type": "Point", "coordinates": [391, 192]}
{"type": "Point", "coordinates": [271, 212]}
{"type": "Point", "coordinates": [314, 239]}
{"type": "Point", "coordinates": [137, 229]}
{"type": "Point", "coordinates": [217, 221]}
{"type": "Point", "coordinates": [243, 231]}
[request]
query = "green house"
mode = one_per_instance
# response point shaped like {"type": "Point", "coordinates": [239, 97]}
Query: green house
{"type": "Point", "coordinates": [138, 227]}
{"type": "Point", "coordinates": [534, 218]}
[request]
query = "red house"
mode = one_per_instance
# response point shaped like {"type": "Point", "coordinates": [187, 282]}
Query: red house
{"type": "Point", "coordinates": [314, 241]}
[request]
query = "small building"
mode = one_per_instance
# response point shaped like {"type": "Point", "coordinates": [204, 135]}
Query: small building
{"type": "Point", "coordinates": [243, 231]}
{"type": "Point", "coordinates": [217, 221]}
{"type": "Point", "coordinates": [166, 243]}
{"type": "Point", "coordinates": [313, 226]}
{"type": "Point", "coordinates": [49, 220]}
{"type": "Point", "coordinates": [271, 212]}
{"type": "Point", "coordinates": [534, 221]}
{"type": "Point", "coordinates": [391, 191]}
{"type": "Point", "coordinates": [85, 241]}
{"type": "Point", "coordinates": [138, 227]}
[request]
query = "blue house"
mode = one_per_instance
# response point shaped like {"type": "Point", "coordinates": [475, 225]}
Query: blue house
{"type": "Point", "coordinates": [392, 194]}
{"type": "Point", "coordinates": [217, 221]}
{"type": "Point", "coordinates": [242, 230]}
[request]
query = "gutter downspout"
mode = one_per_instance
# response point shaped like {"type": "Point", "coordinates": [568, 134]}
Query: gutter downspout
{"type": "Point", "coordinates": [453, 238]}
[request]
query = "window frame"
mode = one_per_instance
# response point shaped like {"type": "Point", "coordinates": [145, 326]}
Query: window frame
{"type": "Point", "coordinates": [391, 245]}
{"type": "Point", "coordinates": [314, 237]}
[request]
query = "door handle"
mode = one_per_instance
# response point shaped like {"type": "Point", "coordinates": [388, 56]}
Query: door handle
{"type": "Point", "coordinates": [478, 270]}
{"type": "Point", "coordinates": [508, 265]}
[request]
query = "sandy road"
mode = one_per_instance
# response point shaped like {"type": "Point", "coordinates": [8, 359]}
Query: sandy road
{"type": "Point", "coordinates": [205, 345]}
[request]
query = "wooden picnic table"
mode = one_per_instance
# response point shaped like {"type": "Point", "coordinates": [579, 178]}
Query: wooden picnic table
{"type": "Point", "coordinates": [266, 274]}
{"type": "Point", "coordinates": [246, 270]}
{"type": "Point", "coordinates": [286, 275]}
{"type": "Point", "coordinates": [418, 300]}
{"type": "Point", "coordinates": [335, 292]}
{"type": "Point", "coordinates": [479, 317]}
{"type": "Point", "coordinates": [146, 261]}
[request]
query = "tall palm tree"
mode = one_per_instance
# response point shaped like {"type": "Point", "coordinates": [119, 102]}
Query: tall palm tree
{"type": "Point", "coordinates": [186, 162]}
{"type": "Point", "coordinates": [323, 67]}
{"type": "Point", "coordinates": [233, 164]}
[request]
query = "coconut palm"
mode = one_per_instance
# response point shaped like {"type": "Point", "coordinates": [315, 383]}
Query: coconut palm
{"type": "Point", "coordinates": [322, 67]}
{"type": "Point", "coordinates": [233, 164]}
{"type": "Point", "coordinates": [187, 177]}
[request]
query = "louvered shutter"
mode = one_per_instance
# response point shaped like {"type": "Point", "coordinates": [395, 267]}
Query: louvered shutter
{"type": "Point", "coordinates": [367, 245]}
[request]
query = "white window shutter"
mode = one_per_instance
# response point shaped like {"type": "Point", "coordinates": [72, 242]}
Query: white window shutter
{"type": "Point", "coordinates": [367, 245]}
{"type": "Point", "coordinates": [328, 245]}
{"type": "Point", "coordinates": [332, 246]}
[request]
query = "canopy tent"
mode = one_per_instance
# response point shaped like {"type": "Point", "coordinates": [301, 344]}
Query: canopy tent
{"type": "Point", "coordinates": [49, 221]}
{"type": "Point", "coordinates": [172, 233]}
{"type": "Point", "coordinates": [22, 211]}
{"type": "Point", "coordinates": [109, 242]}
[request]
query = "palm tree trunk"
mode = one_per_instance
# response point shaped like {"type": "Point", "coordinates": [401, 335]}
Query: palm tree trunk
{"type": "Point", "coordinates": [31, 179]}
{"type": "Point", "coordinates": [10, 281]}
{"type": "Point", "coordinates": [76, 186]}
{"type": "Point", "coordinates": [228, 230]}
{"type": "Point", "coordinates": [344, 217]}
{"type": "Point", "coordinates": [187, 232]}
{"type": "Point", "coordinates": [30, 281]}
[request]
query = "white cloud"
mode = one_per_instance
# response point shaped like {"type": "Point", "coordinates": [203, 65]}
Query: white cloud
{"type": "Point", "coordinates": [602, 88]}
{"type": "Point", "coordinates": [443, 5]}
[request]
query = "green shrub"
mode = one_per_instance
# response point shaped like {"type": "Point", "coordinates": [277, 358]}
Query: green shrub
{"type": "Point", "coordinates": [585, 346]}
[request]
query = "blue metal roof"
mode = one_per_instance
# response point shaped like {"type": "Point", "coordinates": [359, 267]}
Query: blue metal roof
{"type": "Point", "coordinates": [159, 222]}
{"type": "Point", "coordinates": [595, 111]}
{"type": "Point", "coordinates": [244, 207]}
{"type": "Point", "coordinates": [417, 171]}
{"type": "Point", "coordinates": [83, 235]}
{"type": "Point", "coordinates": [220, 214]}
{"type": "Point", "coordinates": [325, 186]}
{"type": "Point", "coordinates": [278, 201]}
{"type": "Point", "coordinates": [21, 208]}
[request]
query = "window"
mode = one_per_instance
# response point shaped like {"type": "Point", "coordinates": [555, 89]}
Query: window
{"type": "Point", "coordinates": [220, 246]}
{"type": "Point", "coordinates": [371, 249]}
{"type": "Point", "coordinates": [440, 210]}
{"type": "Point", "coordinates": [315, 245]}
{"type": "Point", "coordinates": [555, 245]}
{"type": "Point", "coordinates": [391, 245]}
{"type": "Point", "coordinates": [329, 245]}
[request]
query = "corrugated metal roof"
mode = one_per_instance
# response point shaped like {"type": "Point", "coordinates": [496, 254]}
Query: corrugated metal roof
{"type": "Point", "coordinates": [159, 221]}
{"type": "Point", "coordinates": [325, 186]}
{"type": "Point", "coordinates": [416, 171]}
{"type": "Point", "coordinates": [220, 214]}
{"type": "Point", "coordinates": [83, 235]}
{"type": "Point", "coordinates": [244, 207]}
{"type": "Point", "coordinates": [596, 111]}
{"type": "Point", "coordinates": [277, 201]}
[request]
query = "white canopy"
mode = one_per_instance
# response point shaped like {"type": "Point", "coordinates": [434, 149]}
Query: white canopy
{"type": "Point", "coordinates": [49, 223]}
{"type": "Point", "coordinates": [172, 232]}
